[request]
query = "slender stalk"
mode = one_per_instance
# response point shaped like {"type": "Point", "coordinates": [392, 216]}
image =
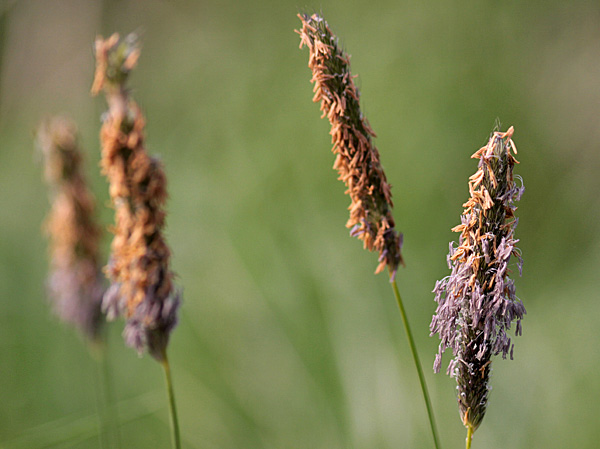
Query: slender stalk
{"type": "Point", "coordinates": [107, 412]}
{"type": "Point", "coordinates": [101, 401]}
{"type": "Point", "coordinates": [172, 407]}
{"type": "Point", "coordinates": [469, 436]}
{"type": "Point", "coordinates": [413, 349]}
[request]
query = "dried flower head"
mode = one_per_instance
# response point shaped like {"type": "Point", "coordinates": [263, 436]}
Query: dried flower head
{"type": "Point", "coordinates": [75, 279]}
{"type": "Point", "coordinates": [142, 283]}
{"type": "Point", "coordinates": [357, 160]}
{"type": "Point", "coordinates": [477, 302]}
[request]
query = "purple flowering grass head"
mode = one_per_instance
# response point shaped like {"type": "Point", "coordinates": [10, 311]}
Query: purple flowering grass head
{"type": "Point", "coordinates": [74, 282]}
{"type": "Point", "coordinates": [477, 303]}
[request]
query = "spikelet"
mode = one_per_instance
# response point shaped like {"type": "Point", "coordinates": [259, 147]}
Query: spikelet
{"type": "Point", "coordinates": [142, 283]}
{"type": "Point", "coordinates": [357, 158]}
{"type": "Point", "coordinates": [75, 278]}
{"type": "Point", "coordinates": [477, 302]}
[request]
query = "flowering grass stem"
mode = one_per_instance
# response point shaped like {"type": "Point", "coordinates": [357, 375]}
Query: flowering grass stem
{"type": "Point", "coordinates": [357, 161]}
{"type": "Point", "coordinates": [413, 350]}
{"type": "Point", "coordinates": [172, 407]}
{"type": "Point", "coordinates": [477, 303]}
{"type": "Point", "coordinates": [74, 283]}
{"type": "Point", "coordinates": [142, 287]}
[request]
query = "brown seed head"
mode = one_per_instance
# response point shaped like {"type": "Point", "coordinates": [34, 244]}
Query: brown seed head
{"type": "Point", "coordinates": [142, 286]}
{"type": "Point", "coordinates": [357, 158]}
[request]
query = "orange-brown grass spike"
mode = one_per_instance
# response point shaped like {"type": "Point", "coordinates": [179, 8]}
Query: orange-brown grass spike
{"type": "Point", "coordinates": [142, 283]}
{"type": "Point", "coordinates": [75, 278]}
{"type": "Point", "coordinates": [357, 158]}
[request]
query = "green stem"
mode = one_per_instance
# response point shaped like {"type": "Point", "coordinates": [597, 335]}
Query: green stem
{"type": "Point", "coordinates": [413, 349]}
{"type": "Point", "coordinates": [172, 407]}
{"type": "Point", "coordinates": [107, 412]}
{"type": "Point", "coordinates": [469, 436]}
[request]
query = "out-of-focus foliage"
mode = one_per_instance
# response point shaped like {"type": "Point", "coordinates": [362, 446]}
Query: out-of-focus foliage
{"type": "Point", "coordinates": [286, 338]}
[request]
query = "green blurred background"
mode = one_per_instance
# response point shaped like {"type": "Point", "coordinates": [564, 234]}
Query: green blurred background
{"type": "Point", "coordinates": [286, 338]}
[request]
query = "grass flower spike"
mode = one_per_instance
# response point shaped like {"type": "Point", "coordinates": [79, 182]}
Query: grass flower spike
{"type": "Point", "coordinates": [75, 279]}
{"type": "Point", "coordinates": [357, 163]}
{"type": "Point", "coordinates": [357, 160]}
{"type": "Point", "coordinates": [142, 283]}
{"type": "Point", "coordinates": [477, 302]}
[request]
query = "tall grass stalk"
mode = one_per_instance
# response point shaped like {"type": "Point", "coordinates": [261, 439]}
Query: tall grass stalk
{"type": "Point", "coordinates": [74, 283]}
{"type": "Point", "coordinates": [142, 287]}
{"type": "Point", "coordinates": [477, 303]}
{"type": "Point", "coordinates": [415, 355]}
{"type": "Point", "coordinates": [172, 406]}
{"type": "Point", "coordinates": [107, 410]}
{"type": "Point", "coordinates": [357, 162]}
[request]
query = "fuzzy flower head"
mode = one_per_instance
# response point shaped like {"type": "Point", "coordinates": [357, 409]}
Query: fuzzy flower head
{"type": "Point", "coordinates": [142, 283]}
{"type": "Point", "coordinates": [75, 279]}
{"type": "Point", "coordinates": [357, 160]}
{"type": "Point", "coordinates": [477, 302]}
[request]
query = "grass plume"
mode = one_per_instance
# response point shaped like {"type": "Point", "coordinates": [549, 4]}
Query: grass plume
{"type": "Point", "coordinates": [142, 286]}
{"type": "Point", "coordinates": [142, 283]}
{"type": "Point", "coordinates": [75, 278]}
{"type": "Point", "coordinates": [75, 281]}
{"type": "Point", "coordinates": [358, 165]}
{"type": "Point", "coordinates": [477, 302]}
{"type": "Point", "coordinates": [357, 159]}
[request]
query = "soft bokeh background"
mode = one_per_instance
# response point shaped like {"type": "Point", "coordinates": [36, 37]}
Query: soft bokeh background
{"type": "Point", "coordinates": [287, 339]}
